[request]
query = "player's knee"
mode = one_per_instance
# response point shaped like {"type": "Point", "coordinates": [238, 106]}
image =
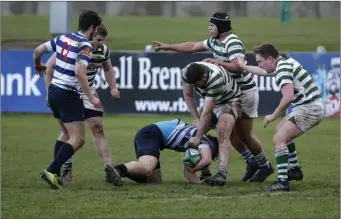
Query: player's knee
{"type": "Point", "coordinates": [97, 129]}
{"type": "Point", "coordinates": [278, 139]}
{"type": "Point", "coordinates": [63, 136]}
{"type": "Point", "coordinates": [77, 142]}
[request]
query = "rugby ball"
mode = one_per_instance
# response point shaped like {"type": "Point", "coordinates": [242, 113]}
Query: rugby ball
{"type": "Point", "coordinates": [191, 157]}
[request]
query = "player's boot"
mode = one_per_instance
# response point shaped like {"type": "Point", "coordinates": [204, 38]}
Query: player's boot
{"type": "Point", "coordinates": [113, 175]}
{"type": "Point", "coordinates": [217, 179]}
{"type": "Point", "coordinates": [263, 173]}
{"type": "Point", "coordinates": [51, 179]}
{"type": "Point", "coordinates": [277, 186]}
{"type": "Point", "coordinates": [295, 174]}
{"type": "Point", "coordinates": [250, 170]}
{"type": "Point", "coordinates": [67, 172]}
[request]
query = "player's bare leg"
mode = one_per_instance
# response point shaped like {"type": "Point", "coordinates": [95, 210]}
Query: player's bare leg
{"type": "Point", "coordinates": [244, 130]}
{"type": "Point", "coordinates": [141, 170]}
{"type": "Point", "coordinates": [224, 128]}
{"type": "Point", "coordinates": [99, 139]}
{"type": "Point", "coordinates": [251, 164]}
{"type": "Point", "coordinates": [285, 132]}
{"type": "Point", "coordinates": [76, 141]}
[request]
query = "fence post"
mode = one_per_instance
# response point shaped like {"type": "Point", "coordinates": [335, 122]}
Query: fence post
{"type": "Point", "coordinates": [285, 12]}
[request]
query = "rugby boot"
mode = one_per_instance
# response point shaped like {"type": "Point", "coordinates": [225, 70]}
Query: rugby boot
{"type": "Point", "coordinates": [217, 179]}
{"type": "Point", "coordinates": [51, 179]}
{"type": "Point", "coordinates": [263, 173]}
{"type": "Point", "coordinates": [295, 174]}
{"type": "Point", "coordinates": [250, 170]}
{"type": "Point", "coordinates": [277, 186]}
{"type": "Point", "coordinates": [67, 172]}
{"type": "Point", "coordinates": [113, 175]}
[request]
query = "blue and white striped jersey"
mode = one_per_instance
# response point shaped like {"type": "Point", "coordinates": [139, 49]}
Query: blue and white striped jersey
{"type": "Point", "coordinates": [70, 48]}
{"type": "Point", "coordinates": [176, 134]}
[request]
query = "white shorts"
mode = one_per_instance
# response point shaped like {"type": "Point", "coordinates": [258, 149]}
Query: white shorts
{"type": "Point", "coordinates": [232, 107]}
{"type": "Point", "coordinates": [87, 104]}
{"type": "Point", "coordinates": [307, 116]}
{"type": "Point", "coordinates": [249, 102]}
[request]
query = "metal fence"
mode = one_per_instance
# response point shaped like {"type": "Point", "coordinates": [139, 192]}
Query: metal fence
{"type": "Point", "coordinates": [248, 9]}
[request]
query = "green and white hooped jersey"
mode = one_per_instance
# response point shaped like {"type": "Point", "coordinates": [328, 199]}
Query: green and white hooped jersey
{"type": "Point", "coordinates": [288, 70]}
{"type": "Point", "coordinates": [227, 50]}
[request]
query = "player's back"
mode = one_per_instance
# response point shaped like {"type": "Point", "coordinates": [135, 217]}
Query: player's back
{"type": "Point", "coordinates": [219, 83]}
{"type": "Point", "coordinates": [176, 134]}
{"type": "Point", "coordinates": [70, 48]}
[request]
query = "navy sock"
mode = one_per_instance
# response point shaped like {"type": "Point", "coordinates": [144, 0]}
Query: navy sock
{"type": "Point", "coordinates": [138, 179]}
{"type": "Point", "coordinates": [57, 147]}
{"type": "Point", "coordinates": [65, 152]}
{"type": "Point", "coordinates": [122, 169]}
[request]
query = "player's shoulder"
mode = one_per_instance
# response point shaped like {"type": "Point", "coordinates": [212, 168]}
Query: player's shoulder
{"type": "Point", "coordinates": [284, 63]}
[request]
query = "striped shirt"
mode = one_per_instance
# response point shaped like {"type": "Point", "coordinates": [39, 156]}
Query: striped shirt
{"type": "Point", "coordinates": [99, 55]}
{"type": "Point", "coordinates": [69, 48]}
{"type": "Point", "coordinates": [176, 133]}
{"type": "Point", "coordinates": [227, 50]}
{"type": "Point", "coordinates": [288, 70]}
{"type": "Point", "coordinates": [220, 85]}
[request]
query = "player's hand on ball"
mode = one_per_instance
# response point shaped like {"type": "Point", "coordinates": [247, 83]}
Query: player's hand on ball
{"type": "Point", "coordinates": [194, 142]}
{"type": "Point", "coordinates": [95, 101]}
{"type": "Point", "coordinates": [268, 119]}
{"type": "Point", "coordinates": [40, 69]}
{"type": "Point", "coordinates": [115, 93]}
{"type": "Point", "coordinates": [160, 46]}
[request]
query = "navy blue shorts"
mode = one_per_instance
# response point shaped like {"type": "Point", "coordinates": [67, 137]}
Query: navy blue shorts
{"type": "Point", "coordinates": [66, 105]}
{"type": "Point", "coordinates": [148, 141]}
{"type": "Point", "coordinates": [89, 113]}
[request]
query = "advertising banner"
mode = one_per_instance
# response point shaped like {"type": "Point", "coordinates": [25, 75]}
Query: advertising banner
{"type": "Point", "coordinates": [325, 69]}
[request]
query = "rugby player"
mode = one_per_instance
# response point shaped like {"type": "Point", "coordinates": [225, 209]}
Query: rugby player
{"type": "Point", "coordinates": [93, 116]}
{"type": "Point", "coordinates": [226, 46]}
{"type": "Point", "coordinates": [221, 96]}
{"type": "Point", "coordinates": [299, 89]}
{"type": "Point", "coordinates": [73, 52]}
{"type": "Point", "coordinates": [172, 135]}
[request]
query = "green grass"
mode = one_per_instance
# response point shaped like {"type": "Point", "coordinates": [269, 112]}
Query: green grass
{"type": "Point", "coordinates": [27, 148]}
{"type": "Point", "coordinates": [133, 33]}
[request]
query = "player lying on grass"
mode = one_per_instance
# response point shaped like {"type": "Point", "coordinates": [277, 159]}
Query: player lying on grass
{"type": "Point", "coordinates": [226, 46]}
{"type": "Point", "coordinates": [299, 89]}
{"type": "Point", "coordinates": [93, 115]}
{"type": "Point", "coordinates": [172, 135]}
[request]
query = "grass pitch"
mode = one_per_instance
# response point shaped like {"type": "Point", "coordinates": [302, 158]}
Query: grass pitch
{"type": "Point", "coordinates": [134, 32]}
{"type": "Point", "coordinates": [27, 148]}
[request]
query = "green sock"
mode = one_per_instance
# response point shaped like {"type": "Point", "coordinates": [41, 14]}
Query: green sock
{"type": "Point", "coordinates": [282, 158]}
{"type": "Point", "coordinates": [293, 160]}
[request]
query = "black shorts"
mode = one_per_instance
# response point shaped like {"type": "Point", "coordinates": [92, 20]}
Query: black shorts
{"type": "Point", "coordinates": [66, 105]}
{"type": "Point", "coordinates": [89, 113]}
{"type": "Point", "coordinates": [148, 141]}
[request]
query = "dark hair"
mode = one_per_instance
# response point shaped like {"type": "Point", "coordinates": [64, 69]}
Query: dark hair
{"type": "Point", "coordinates": [194, 73]}
{"type": "Point", "coordinates": [266, 50]}
{"type": "Point", "coordinates": [102, 30]}
{"type": "Point", "coordinates": [87, 19]}
{"type": "Point", "coordinates": [215, 146]}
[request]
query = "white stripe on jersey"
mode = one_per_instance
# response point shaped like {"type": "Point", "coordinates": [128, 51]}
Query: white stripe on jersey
{"type": "Point", "coordinates": [227, 50]}
{"type": "Point", "coordinates": [99, 56]}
